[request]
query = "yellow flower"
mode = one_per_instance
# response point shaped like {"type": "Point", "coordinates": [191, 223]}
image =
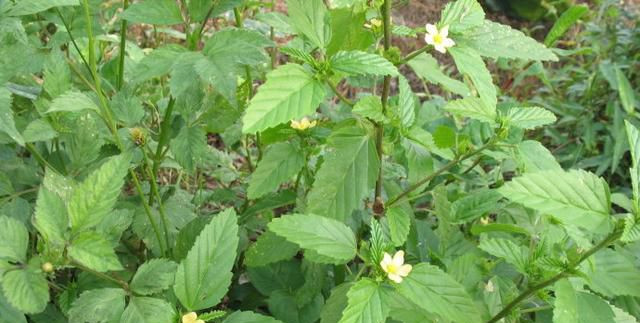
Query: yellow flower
{"type": "Point", "coordinates": [395, 267]}
{"type": "Point", "coordinates": [438, 38]}
{"type": "Point", "coordinates": [191, 317]}
{"type": "Point", "coordinates": [303, 124]}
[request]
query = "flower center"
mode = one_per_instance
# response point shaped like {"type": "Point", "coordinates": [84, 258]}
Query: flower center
{"type": "Point", "coordinates": [392, 269]}
{"type": "Point", "coordinates": [437, 39]}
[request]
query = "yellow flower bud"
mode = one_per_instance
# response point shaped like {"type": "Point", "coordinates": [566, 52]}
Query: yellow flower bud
{"type": "Point", "coordinates": [47, 267]}
{"type": "Point", "coordinates": [191, 317]}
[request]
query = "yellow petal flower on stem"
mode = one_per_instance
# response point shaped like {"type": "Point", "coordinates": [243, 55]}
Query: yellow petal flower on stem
{"type": "Point", "coordinates": [439, 38]}
{"type": "Point", "coordinates": [395, 267]}
{"type": "Point", "coordinates": [191, 317]}
{"type": "Point", "coordinates": [303, 124]}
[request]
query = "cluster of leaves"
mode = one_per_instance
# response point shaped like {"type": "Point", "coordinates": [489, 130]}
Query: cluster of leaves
{"type": "Point", "coordinates": [157, 184]}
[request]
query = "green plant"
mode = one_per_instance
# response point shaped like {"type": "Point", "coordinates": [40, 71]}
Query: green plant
{"type": "Point", "coordinates": [158, 185]}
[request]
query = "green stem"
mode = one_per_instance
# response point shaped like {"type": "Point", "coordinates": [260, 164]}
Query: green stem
{"type": "Point", "coordinates": [104, 276]}
{"type": "Point", "coordinates": [73, 40]}
{"type": "Point", "coordinates": [341, 96]}
{"type": "Point", "coordinates": [43, 162]}
{"type": "Point", "coordinates": [165, 128]}
{"type": "Point", "coordinates": [414, 54]}
{"type": "Point", "coordinates": [123, 45]}
{"type": "Point", "coordinates": [147, 211]}
{"type": "Point", "coordinates": [154, 190]}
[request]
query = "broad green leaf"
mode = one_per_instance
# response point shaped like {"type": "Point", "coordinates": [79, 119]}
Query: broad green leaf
{"type": "Point", "coordinates": [573, 306]}
{"type": "Point", "coordinates": [507, 250]}
{"type": "Point", "coordinates": [348, 31]}
{"type": "Point", "coordinates": [148, 310]}
{"type": "Point", "coordinates": [198, 9]}
{"type": "Point", "coordinates": [269, 248]}
{"type": "Point", "coordinates": [369, 107]}
{"type": "Point", "coordinates": [462, 15]}
{"type": "Point", "coordinates": [154, 276]}
{"type": "Point", "coordinates": [436, 292]}
{"type": "Point", "coordinates": [39, 130]}
{"type": "Point", "coordinates": [204, 276]}
{"type": "Point", "coordinates": [311, 19]}
{"type": "Point", "coordinates": [474, 206]}
{"type": "Point", "coordinates": [26, 290]}
{"type": "Point", "coordinates": [23, 8]}
{"type": "Point", "coordinates": [336, 303]}
{"type": "Point", "coordinates": [494, 40]}
{"type": "Point", "coordinates": [445, 137]}
{"type": "Point", "coordinates": [326, 237]}
{"type": "Point", "coordinates": [98, 306]}
{"type": "Point", "coordinates": [633, 135]}
{"type": "Point", "coordinates": [626, 92]}
{"type": "Point", "coordinates": [575, 197]}
{"type": "Point", "coordinates": [398, 217]}
{"type": "Point", "coordinates": [530, 118]}
{"type": "Point", "coordinates": [284, 306]}
{"type": "Point", "coordinates": [471, 64]}
{"type": "Point", "coordinates": [93, 251]}
{"type": "Point", "coordinates": [620, 316]}
{"type": "Point", "coordinates": [72, 101]}
{"type": "Point", "coordinates": [279, 164]}
{"type": "Point", "coordinates": [568, 18]}
{"type": "Point", "coordinates": [283, 275]}
{"type": "Point", "coordinates": [9, 313]}
{"type": "Point", "coordinates": [15, 240]}
{"type": "Point", "coordinates": [612, 274]}
{"type": "Point", "coordinates": [279, 21]}
{"type": "Point", "coordinates": [157, 63]}
{"type": "Point", "coordinates": [362, 63]}
{"type": "Point", "coordinates": [7, 124]}
{"type": "Point", "coordinates": [51, 217]}
{"type": "Point", "coordinates": [289, 93]}
{"type": "Point", "coordinates": [97, 194]}
{"type": "Point", "coordinates": [248, 317]}
{"type": "Point", "coordinates": [156, 12]}
{"type": "Point", "coordinates": [535, 157]}
{"type": "Point", "coordinates": [347, 175]}
{"type": "Point", "coordinates": [190, 147]}
{"type": "Point", "coordinates": [314, 283]}
{"type": "Point", "coordinates": [473, 108]}
{"type": "Point", "coordinates": [631, 231]}
{"type": "Point", "coordinates": [406, 103]}
{"type": "Point", "coordinates": [428, 68]}
{"type": "Point", "coordinates": [365, 303]}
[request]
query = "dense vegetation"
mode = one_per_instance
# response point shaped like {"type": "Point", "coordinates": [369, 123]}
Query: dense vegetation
{"type": "Point", "coordinates": [258, 161]}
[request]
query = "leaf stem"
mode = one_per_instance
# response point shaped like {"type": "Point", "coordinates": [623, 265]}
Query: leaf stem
{"type": "Point", "coordinates": [123, 45]}
{"type": "Point", "coordinates": [104, 276]}
{"type": "Point", "coordinates": [165, 128]}
{"type": "Point", "coordinates": [154, 190]}
{"type": "Point", "coordinates": [413, 55]}
{"type": "Point", "coordinates": [73, 40]}
{"type": "Point", "coordinates": [341, 96]}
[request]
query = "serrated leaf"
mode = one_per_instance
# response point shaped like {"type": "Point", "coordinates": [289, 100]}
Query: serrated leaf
{"type": "Point", "coordinates": [156, 12]}
{"type": "Point", "coordinates": [428, 68]}
{"type": "Point", "coordinates": [93, 251]}
{"type": "Point", "coordinates": [572, 306]}
{"type": "Point", "coordinates": [362, 63]}
{"type": "Point", "coordinates": [346, 176]}
{"type": "Point", "coordinates": [51, 217]}
{"type": "Point", "coordinates": [311, 19]}
{"type": "Point", "coordinates": [625, 91]}
{"type": "Point", "coordinates": [536, 157]}
{"type": "Point", "coordinates": [248, 317]}
{"type": "Point", "coordinates": [436, 292]}
{"type": "Point", "coordinates": [289, 93]}
{"type": "Point", "coordinates": [568, 18]}
{"type": "Point", "coordinates": [279, 164]}
{"type": "Point", "coordinates": [444, 137]}
{"type": "Point", "coordinates": [269, 248]}
{"type": "Point", "coordinates": [474, 206]}
{"type": "Point", "coordinates": [406, 103]}
{"type": "Point", "coordinates": [97, 194]}
{"type": "Point", "coordinates": [7, 124]}
{"type": "Point", "coordinates": [633, 135]}
{"type": "Point", "coordinates": [462, 15]}
{"type": "Point", "coordinates": [198, 9]}
{"type": "Point", "coordinates": [507, 250]}
{"type": "Point", "coordinates": [612, 274]}
{"type": "Point", "coordinates": [190, 147]}
{"type": "Point", "coordinates": [336, 303]}
{"type": "Point", "coordinates": [23, 8]}
{"type": "Point", "coordinates": [148, 310]}
{"type": "Point", "coordinates": [15, 240]}
{"type": "Point", "coordinates": [9, 313]}
{"type": "Point", "coordinates": [204, 276]}
{"type": "Point", "coordinates": [157, 63]}
{"type": "Point", "coordinates": [283, 275]}
{"type": "Point", "coordinates": [494, 40]}
{"type": "Point", "coordinates": [631, 231]}
{"type": "Point", "coordinates": [72, 101]}
{"type": "Point", "coordinates": [575, 197]}
{"type": "Point", "coordinates": [530, 118]}
{"type": "Point", "coordinates": [365, 303]}
{"type": "Point", "coordinates": [154, 276]}
{"type": "Point", "coordinates": [327, 237]}
{"type": "Point", "coordinates": [472, 65]}
{"type": "Point", "coordinates": [369, 107]}
{"type": "Point", "coordinates": [98, 306]}
{"type": "Point", "coordinates": [284, 306]}
{"type": "Point", "coordinates": [473, 108]}
{"type": "Point", "coordinates": [26, 290]}
{"type": "Point", "coordinates": [39, 130]}
{"type": "Point", "coordinates": [399, 221]}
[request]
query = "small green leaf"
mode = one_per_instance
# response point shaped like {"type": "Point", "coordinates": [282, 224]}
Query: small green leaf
{"type": "Point", "coordinates": [155, 12]}
{"type": "Point", "coordinates": [572, 306]}
{"type": "Point", "coordinates": [399, 221]}
{"type": "Point", "coordinates": [362, 63]}
{"type": "Point", "coordinates": [530, 118]}
{"type": "Point", "coordinates": [198, 9]}
{"type": "Point", "coordinates": [154, 276]}
{"type": "Point", "coordinates": [406, 103]}
{"type": "Point", "coordinates": [473, 108]}
{"type": "Point", "coordinates": [248, 317]}
{"type": "Point", "coordinates": [93, 251]}
{"type": "Point", "coordinates": [148, 310]}
{"type": "Point", "coordinates": [269, 248]}
{"type": "Point", "coordinates": [536, 157]}
{"type": "Point", "coordinates": [325, 236]}
{"type": "Point", "coordinates": [9, 313]}
{"type": "Point", "coordinates": [462, 15]}
{"type": "Point", "coordinates": [428, 68]}
{"type": "Point", "coordinates": [39, 130]}
{"type": "Point", "coordinates": [190, 147]}
{"type": "Point", "coordinates": [336, 303]}
{"type": "Point", "coordinates": [98, 306]}
{"type": "Point", "coordinates": [279, 164]}
{"type": "Point", "coordinates": [370, 107]}
{"type": "Point", "coordinates": [470, 63]}
{"type": "Point", "coordinates": [26, 290]}
{"type": "Point", "coordinates": [311, 19]}
{"type": "Point", "coordinates": [631, 231]}
{"type": "Point", "coordinates": [15, 240]}
{"type": "Point", "coordinates": [24, 8]}
{"type": "Point", "coordinates": [7, 124]}
{"type": "Point", "coordinates": [626, 92]}
{"type": "Point", "coordinates": [508, 250]}
{"type": "Point", "coordinates": [51, 217]}
{"type": "Point", "coordinates": [365, 303]}
{"type": "Point", "coordinates": [72, 101]}
{"type": "Point", "coordinates": [568, 18]}
{"type": "Point", "coordinates": [613, 274]}
{"type": "Point", "coordinates": [474, 206]}
{"type": "Point", "coordinates": [445, 137]}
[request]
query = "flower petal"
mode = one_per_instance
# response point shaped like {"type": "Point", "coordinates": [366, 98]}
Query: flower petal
{"type": "Point", "coordinates": [448, 42]}
{"type": "Point", "coordinates": [189, 317]}
{"type": "Point", "coordinates": [440, 48]}
{"type": "Point", "coordinates": [398, 258]}
{"type": "Point", "coordinates": [396, 278]}
{"type": "Point", "coordinates": [386, 261]}
{"type": "Point", "coordinates": [431, 29]}
{"type": "Point", "coordinates": [444, 32]}
{"type": "Point", "coordinates": [428, 38]}
{"type": "Point", "coordinates": [404, 270]}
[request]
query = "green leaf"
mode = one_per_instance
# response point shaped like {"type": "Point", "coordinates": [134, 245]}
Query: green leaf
{"type": "Point", "coordinates": [357, 62]}
{"type": "Point", "coordinates": [462, 15]}
{"type": "Point", "coordinates": [494, 40]}
{"type": "Point", "coordinates": [631, 231]}
{"type": "Point", "coordinates": [365, 303]}
{"type": "Point", "coordinates": [399, 221]}
{"type": "Point", "coordinates": [428, 68]}
{"type": "Point", "coordinates": [633, 135]}
{"type": "Point", "coordinates": [51, 217]}
{"type": "Point", "coordinates": [98, 306]}
{"type": "Point", "coordinates": [72, 101]}
{"type": "Point", "coordinates": [348, 31]}
{"type": "Point", "coordinates": [327, 237]}
{"type": "Point", "coordinates": [370, 107]}
{"type": "Point", "coordinates": [269, 248]}
{"type": "Point", "coordinates": [572, 306]}
{"type": "Point", "coordinates": [347, 175]}
{"type": "Point", "coordinates": [148, 310]}
{"type": "Point", "coordinates": [26, 290]}
{"type": "Point", "coordinates": [568, 18]}
{"type": "Point", "coordinates": [530, 118]}
{"type": "Point", "coordinates": [507, 250]}
{"type": "Point", "coordinates": [39, 130]}
{"type": "Point", "coordinates": [626, 92]}
{"type": "Point", "coordinates": [289, 93]}
{"type": "Point", "coordinates": [204, 276]}
{"type": "Point", "coordinates": [612, 274]}
{"type": "Point", "coordinates": [436, 292]}
{"type": "Point", "coordinates": [471, 64]}
{"type": "Point", "coordinates": [283, 275]}
{"type": "Point", "coordinates": [575, 197]}
{"type": "Point", "coordinates": [284, 306]}
{"type": "Point", "coordinates": [24, 8]}
{"type": "Point", "coordinates": [157, 63]}
{"type": "Point", "coordinates": [93, 251]}
{"type": "Point", "coordinates": [279, 164]}
{"type": "Point", "coordinates": [474, 206]}
{"type": "Point", "coordinates": [445, 137]}
{"type": "Point", "coordinates": [248, 317]}
{"type": "Point", "coordinates": [9, 313]}
{"type": "Point", "coordinates": [15, 240]}
{"type": "Point", "coordinates": [536, 157]}
{"type": "Point", "coordinates": [473, 108]}
{"type": "Point", "coordinates": [97, 194]}
{"type": "Point", "coordinates": [198, 9]}
{"type": "Point", "coordinates": [406, 103]}
{"type": "Point", "coordinates": [311, 19]}
{"type": "Point", "coordinates": [155, 12]}
{"type": "Point", "coordinates": [7, 124]}
{"type": "Point", "coordinates": [190, 147]}
{"type": "Point", "coordinates": [336, 303]}
{"type": "Point", "coordinates": [154, 276]}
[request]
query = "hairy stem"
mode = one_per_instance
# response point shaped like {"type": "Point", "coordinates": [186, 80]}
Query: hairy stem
{"type": "Point", "coordinates": [155, 192]}
{"type": "Point", "coordinates": [123, 45]}
{"type": "Point", "coordinates": [413, 54]}
{"type": "Point", "coordinates": [165, 128]}
{"type": "Point", "coordinates": [339, 94]}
